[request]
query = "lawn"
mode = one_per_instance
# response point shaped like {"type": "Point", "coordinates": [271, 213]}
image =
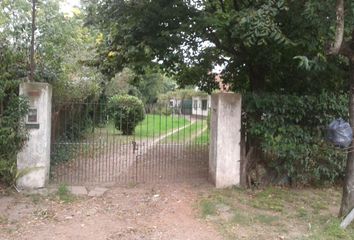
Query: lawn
{"type": "Point", "coordinates": [153, 126]}
{"type": "Point", "coordinates": [275, 213]}
{"type": "Point", "coordinates": [157, 125]}
{"type": "Point", "coordinates": [203, 138]}
{"type": "Point", "coordinates": [188, 133]}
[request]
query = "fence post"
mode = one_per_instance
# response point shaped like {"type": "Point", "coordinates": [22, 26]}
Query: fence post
{"type": "Point", "coordinates": [33, 162]}
{"type": "Point", "coordinates": [225, 149]}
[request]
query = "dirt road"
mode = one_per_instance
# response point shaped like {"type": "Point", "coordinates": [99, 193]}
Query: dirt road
{"type": "Point", "coordinates": [141, 212]}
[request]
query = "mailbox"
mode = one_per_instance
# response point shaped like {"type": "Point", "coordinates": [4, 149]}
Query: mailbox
{"type": "Point", "coordinates": [32, 115]}
{"type": "Point", "coordinates": [32, 118]}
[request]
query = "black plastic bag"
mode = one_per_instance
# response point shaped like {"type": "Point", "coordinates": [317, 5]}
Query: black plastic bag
{"type": "Point", "coordinates": [340, 133]}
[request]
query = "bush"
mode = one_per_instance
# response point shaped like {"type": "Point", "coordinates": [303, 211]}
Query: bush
{"type": "Point", "coordinates": [126, 111]}
{"type": "Point", "coordinates": [12, 135]}
{"type": "Point", "coordinates": [290, 132]}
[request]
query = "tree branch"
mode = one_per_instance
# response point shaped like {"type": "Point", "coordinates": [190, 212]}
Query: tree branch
{"type": "Point", "coordinates": [222, 5]}
{"type": "Point", "coordinates": [214, 39]}
{"type": "Point", "coordinates": [338, 41]}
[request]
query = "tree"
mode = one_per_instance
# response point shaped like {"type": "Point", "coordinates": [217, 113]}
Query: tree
{"type": "Point", "coordinates": [256, 41]}
{"type": "Point", "coordinates": [33, 29]}
{"type": "Point", "coordinates": [265, 45]}
{"type": "Point", "coordinates": [121, 84]}
{"type": "Point", "coordinates": [152, 84]}
{"type": "Point", "coordinates": [343, 44]}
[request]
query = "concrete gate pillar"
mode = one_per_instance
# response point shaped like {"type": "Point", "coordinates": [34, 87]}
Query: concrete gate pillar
{"type": "Point", "coordinates": [225, 149]}
{"type": "Point", "coordinates": [33, 161]}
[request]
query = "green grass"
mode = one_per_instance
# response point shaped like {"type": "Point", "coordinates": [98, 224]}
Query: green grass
{"type": "Point", "coordinates": [207, 207]}
{"type": "Point", "coordinates": [157, 125]}
{"type": "Point", "coordinates": [188, 134]}
{"type": "Point", "coordinates": [64, 194]}
{"type": "Point", "coordinates": [299, 214]}
{"type": "Point", "coordinates": [204, 138]}
{"type": "Point", "coordinates": [270, 199]}
{"type": "Point", "coordinates": [330, 231]}
{"type": "Point", "coordinates": [151, 126]}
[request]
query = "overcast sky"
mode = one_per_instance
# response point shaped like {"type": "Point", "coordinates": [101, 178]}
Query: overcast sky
{"type": "Point", "coordinates": [67, 5]}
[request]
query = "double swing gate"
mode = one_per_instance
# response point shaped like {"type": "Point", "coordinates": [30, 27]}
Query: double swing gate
{"type": "Point", "coordinates": [89, 146]}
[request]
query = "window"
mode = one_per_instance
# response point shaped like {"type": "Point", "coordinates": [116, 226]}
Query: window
{"type": "Point", "coordinates": [204, 104]}
{"type": "Point", "coordinates": [195, 104]}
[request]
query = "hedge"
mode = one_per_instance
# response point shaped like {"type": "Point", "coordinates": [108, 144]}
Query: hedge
{"type": "Point", "coordinates": [290, 131]}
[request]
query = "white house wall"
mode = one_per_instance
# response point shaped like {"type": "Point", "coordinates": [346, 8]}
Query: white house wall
{"type": "Point", "coordinates": [197, 106]}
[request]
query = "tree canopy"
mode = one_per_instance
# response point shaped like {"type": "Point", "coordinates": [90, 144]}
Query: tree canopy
{"type": "Point", "coordinates": [62, 45]}
{"type": "Point", "coordinates": [261, 44]}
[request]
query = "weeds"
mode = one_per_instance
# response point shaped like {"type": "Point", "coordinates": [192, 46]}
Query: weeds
{"type": "Point", "coordinates": [273, 212]}
{"type": "Point", "coordinates": [64, 194]}
{"type": "Point", "coordinates": [207, 208]}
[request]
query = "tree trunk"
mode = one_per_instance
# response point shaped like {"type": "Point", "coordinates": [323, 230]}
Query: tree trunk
{"type": "Point", "coordinates": [348, 189]}
{"type": "Point", "coordinates": [32, 62]}
{"type": "Point", "coordinates": [257, 78]}
{"type": "Point", "coordinates": [244, 160]}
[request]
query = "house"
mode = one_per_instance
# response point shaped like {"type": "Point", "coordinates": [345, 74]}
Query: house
{"type": "Point", "coordinates": [201, 105]}
{"type": "Point", "coordinates": [192, 101]}
{"type": "Point", "coordinates": [186, 102]}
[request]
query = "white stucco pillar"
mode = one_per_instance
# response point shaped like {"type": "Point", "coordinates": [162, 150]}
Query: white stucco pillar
{"type": "Point", "coordinates": [33, 162]}
{"type": "Point", "coordinates": [225, 149]}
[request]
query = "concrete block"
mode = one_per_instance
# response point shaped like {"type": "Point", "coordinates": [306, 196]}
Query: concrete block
{"type": "Point", "coordinates": [78, 190]}
{"type": "Point", "coordinates": [97, 192]}
{"type": "Point", "coordinates": [33, 161]}
{"type": "Point", "coordinates": [225, 149]}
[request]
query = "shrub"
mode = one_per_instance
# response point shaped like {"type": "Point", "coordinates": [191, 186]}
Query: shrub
{"type": "Point", "coordinates": [12, 135]}
{"type": "Point", "coordinates": [290, 132]}
{"type": "Point", "coordinates": [126, 111]}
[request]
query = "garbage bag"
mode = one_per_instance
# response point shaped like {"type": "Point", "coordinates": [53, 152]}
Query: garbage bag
{"type": "Point", "coordinates": [340, 133]}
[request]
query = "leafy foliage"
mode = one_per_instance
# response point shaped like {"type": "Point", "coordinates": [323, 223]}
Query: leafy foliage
{"type": "Point", "coordinates": [259, 43]}
{"type": "Point", "coordinates": [290, 130]}
{"type": "Point", "coordinates": [12, 136]}
{"type": "Point", "coordinates": [122, 84]}
{"type": "Point", "coordinates": [12, 109]}
{"type": "Point", "coordinates": [147, 86]}
{"type": "Point", "coordinates": [63, 45]}
{"type": "Point", "coordinates": [126, 111]}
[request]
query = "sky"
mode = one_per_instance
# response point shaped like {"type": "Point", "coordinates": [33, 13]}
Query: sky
{"type": "Point", "coordinates": [67, 5]}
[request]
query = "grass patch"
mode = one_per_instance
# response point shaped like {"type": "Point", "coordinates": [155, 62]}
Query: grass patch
{"type": "Point", "coordinates": [64, 194]}
{"type": "Point", "coordinates": [188, 133]}
{"type": "Point", "coordinates": [241, 218]}
{"type": "Point", "coordinates": [299, 214]}
{"type": "Point", "coordinates": [156, 125]}
{"type": "Point", "coordinates": [270, 199]}
{"type": "Point", "coordinates": [152, 126]}
{"type": "Point", "coordinates": [203, 138]}
{"type": "Point", "coordinates": [207, 207]}
{"type": "Point", "coordinates": [266, 219]}
{"type": "Point", "coordinates": [331, 231]}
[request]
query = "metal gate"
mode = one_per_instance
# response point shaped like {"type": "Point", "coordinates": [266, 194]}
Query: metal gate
{"type": "Point", "coordinates": [89, 146]}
